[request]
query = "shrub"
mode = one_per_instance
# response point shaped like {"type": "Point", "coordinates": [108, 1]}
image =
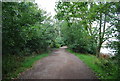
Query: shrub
{"type": "Point", "coordinates": [78, 39]}
{"type": "Point", "coordinates": [109, 66]}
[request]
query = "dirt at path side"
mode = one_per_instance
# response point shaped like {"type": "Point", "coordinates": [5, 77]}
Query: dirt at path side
{"type": "Point", "coordinates": [59, 65]}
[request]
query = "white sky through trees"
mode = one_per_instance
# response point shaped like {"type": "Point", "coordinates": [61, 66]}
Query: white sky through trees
{"type": "Point", "coordinates": [47, 5]}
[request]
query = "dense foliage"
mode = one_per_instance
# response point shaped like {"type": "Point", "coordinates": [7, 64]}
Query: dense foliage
{"type": "Point", "coordinates": [77, 38]}
{"type": "Point", "coordinates": [97, 20]}
{"type": "Point", "coordinates": [26, 30]}
{"type": "Point", "coordinates": [116, 44]}
{"type": "Point", "coordinates": [82, 26]}
{"type": "Point", "coordinates": [86, 26]}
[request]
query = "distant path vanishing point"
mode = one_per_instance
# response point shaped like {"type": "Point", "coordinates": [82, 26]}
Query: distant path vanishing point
{"type": "Point", "coordinates": [59, 65]}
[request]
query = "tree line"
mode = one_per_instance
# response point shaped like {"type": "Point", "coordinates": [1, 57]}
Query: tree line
{"type": "Point", "coordinates": [26, 30]}
{"type": "Point", "coordinates": [86, 26]}
{"type": "Point", "coordinates": [82, 26]}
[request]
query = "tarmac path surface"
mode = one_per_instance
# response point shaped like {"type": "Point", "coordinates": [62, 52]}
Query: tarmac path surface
{"type": "Point", "coordinates": [60, 64]}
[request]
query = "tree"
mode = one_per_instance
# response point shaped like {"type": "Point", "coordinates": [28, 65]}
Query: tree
{"type": "Point", "coordinates": [25, 27]}
{"type": "Point", "coordinates": [116, 44]}
{"type": "Point", "coordinates": [27, 30]}
{"type": "Point", "coordinates": [72, 15]}
{"type": "Point", "coordinates": [86, 14]}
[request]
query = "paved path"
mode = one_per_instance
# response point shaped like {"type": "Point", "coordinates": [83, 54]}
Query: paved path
{"type": "Point", "coordinates": [59, 65]}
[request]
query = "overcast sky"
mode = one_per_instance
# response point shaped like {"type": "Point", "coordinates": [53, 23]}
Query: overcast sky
{"type": "Point", "coordinates": [47, 5]}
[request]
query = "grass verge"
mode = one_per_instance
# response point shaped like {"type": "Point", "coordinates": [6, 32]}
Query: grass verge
{"type": "Point", "coordinates": [99, 66]}
{"type": "Point", "coordinates": [14, 65]}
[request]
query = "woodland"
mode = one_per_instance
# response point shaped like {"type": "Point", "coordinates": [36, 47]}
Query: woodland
{"type": "Point", "coordinates": [28, 31]}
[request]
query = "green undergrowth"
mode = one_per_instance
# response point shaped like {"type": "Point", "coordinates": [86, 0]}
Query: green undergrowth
{"type": "Point", "coordinates": [14, 65]}
{"type": "Point", "coordinates": [104, 69]}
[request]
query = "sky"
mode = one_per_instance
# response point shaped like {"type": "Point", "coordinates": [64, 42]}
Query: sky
{"type": "Point", "coordinates": [47, 5]}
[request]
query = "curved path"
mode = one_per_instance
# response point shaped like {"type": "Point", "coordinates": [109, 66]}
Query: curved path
{"type": "Point", "coordinates": [59, 65]}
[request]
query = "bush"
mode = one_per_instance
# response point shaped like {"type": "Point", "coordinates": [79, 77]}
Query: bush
{"type": "Point", "coordinates": [10, 64]}
{"type": "Point", "coordinates": [25, 30]}
{"type": "Point", "coordinates": [78, 39]}
{"type": "Point", "coordinates": [109, 66]}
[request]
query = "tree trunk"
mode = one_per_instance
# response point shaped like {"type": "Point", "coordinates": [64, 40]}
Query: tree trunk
{"type": "Point", "coordinates": [103, 28]}
{"type": "Point", "coordinates": [99, 39]}
{"type": "Point", "coordinates": [101, 35]}
{"type": "Point", "coordinates": [98, 49]}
